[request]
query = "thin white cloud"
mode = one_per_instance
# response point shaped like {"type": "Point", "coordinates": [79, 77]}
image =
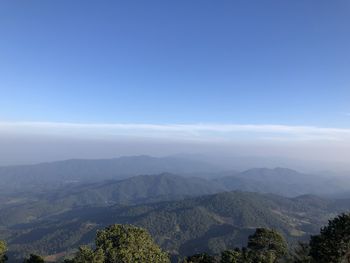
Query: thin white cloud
{"type": "Point", "coordinates": [200, 131]}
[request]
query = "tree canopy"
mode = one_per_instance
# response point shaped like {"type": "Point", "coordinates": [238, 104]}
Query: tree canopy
{"type": "Point", "coordinates": [3, 250]}
{"type": "Point", "coordinates": [122, 244]}
{"type": "Point", "coordinates": [332, 245]}
{"type": "Point", "coordinates": [267, 245]}
{"type": "Point", "coordinates": [34, 259]}
{"type": "Point", "coordinates": [264, 246]}
{"type": "Point", "coordinates": [200, 258]}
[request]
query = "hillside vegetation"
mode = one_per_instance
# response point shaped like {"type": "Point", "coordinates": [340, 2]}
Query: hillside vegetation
{"type": "Point", "coordinates": [204, 224]}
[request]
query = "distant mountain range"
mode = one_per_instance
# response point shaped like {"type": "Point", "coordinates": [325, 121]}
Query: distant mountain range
{"type": "Point", "coordinates": [28, 206]}
{"type": "Point", "coordinates": [48, 175]}
{"type": "Point", "coordinates": [187, 205]}
{"type": "Point", "coordinates": [45, 176]}
{"type": "Point", "coordinates": [283, 181]}
{"type": "Point", "coordinates": [135, 190]}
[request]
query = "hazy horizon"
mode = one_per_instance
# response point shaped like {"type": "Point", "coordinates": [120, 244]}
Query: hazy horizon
{"type": "Point", "coordinates": [296, 147]}
{"type": "Point", "coordinates": [267, 80]}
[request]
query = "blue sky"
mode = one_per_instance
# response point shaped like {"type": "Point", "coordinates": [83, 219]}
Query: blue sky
{"type": "Point", "coordinates": [182, 62]}
{"type": "Point", "coordinates": [99, 79]}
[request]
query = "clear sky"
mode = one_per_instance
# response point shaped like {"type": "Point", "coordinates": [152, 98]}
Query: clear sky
{"type": "Point", "coordinates": [232, 66]}
{"type": "Point", "coordinates": [246, 62]}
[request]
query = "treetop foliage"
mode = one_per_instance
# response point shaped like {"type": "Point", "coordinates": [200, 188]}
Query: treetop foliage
{"type": "Point", "coordinates": [332, 245]}
{"type": "Point", "coordinates": [3, 250]}
{"type": "Point", "coordinates": [122, 244]}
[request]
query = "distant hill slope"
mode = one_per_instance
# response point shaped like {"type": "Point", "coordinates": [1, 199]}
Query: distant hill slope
{"type": "Point", "coordinates": [27, 207]}
{"type": "Point", "coordinates": [44, 175]}
{"type": "Point", "coordinates": [48, 177]}
{"type": "Point", "coordinates": [134, 190]}
{"type": "Point", "coordinates": [208, 223]}
{"type": "Point", "coordinates": [283, 181]}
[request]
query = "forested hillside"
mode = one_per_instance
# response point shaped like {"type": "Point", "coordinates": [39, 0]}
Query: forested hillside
{"type": "Point", "coordinates": [186, 213]}
{"type": "Point", "coordinates": [27, 207]}
{"type": "Point", "coordinates": [54, 174]}
{"type": "Point", "coordinates": [203, 224]}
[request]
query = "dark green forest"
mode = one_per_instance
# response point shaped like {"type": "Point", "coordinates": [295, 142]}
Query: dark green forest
{"type": "Point", "coordinates": [131, 244]}
{"type": "Point", "coordinates": [206, 224]}
{"type": "Point", "coordinates": [198, 215]}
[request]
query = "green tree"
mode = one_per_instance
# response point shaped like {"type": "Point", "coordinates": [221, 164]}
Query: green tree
{"type": "Point", "coordinates": [34, 259]}
{"type": "Point", "coordinates": [234, 256]}
{"type": "Point", "coordinates": [122, 244]}
{"type": "Point", "coordinates": [86, 254]}
{"type": "Point", "coordinates": [301, 254]}
{"type": "Point", "coordinates": [332, 245]}
{"type": "Point", "coordinates": [3, 250]}
{"type": "Point", "coordinates": [200, 258]}
{"type": "Point", "coordinates": [266, 246]}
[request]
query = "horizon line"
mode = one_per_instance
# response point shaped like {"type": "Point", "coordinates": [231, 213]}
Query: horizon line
{"type": "Point", "coordinates": [201, 130]}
